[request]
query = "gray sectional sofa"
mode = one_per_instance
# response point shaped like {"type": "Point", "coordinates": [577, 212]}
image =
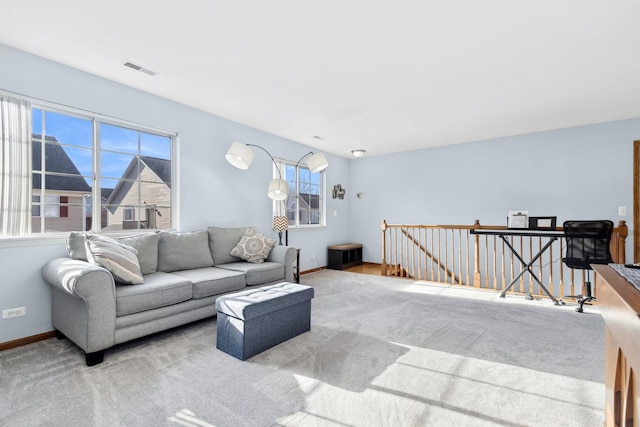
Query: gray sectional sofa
{"type": "Point", "coordinates": [183, 275]}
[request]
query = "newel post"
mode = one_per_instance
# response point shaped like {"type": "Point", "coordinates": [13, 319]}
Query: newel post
{"type": "Point", "coordinates": [476, 257]}
{"type": "Point", "coordinates": [623, 232]}
{"type": "Point", "coordinates": [384, 247]}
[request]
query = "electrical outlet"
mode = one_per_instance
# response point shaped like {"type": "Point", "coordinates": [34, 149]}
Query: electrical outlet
{"type": "Point", "coordinates": [14, 312]}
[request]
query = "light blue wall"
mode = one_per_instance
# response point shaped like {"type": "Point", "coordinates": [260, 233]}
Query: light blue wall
{"type": "Point", "coordinates": [583, 172]}
{"type": "Point", "coordinates": [212, 192]}
{"type": "Point", "coordinates": [575, 173]}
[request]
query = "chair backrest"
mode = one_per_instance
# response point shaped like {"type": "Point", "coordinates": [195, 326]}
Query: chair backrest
{"type": "Point", "coordinates": [587, 243]}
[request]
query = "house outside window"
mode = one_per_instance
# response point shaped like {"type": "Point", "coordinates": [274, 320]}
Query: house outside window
{"type": "Point", "coordinates": [78, 158]}
{"type": "Point", "coordinates": [305, 206]}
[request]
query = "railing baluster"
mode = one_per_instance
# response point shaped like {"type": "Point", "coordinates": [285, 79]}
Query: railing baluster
{"type": "Point", "coordinates": [486, 260]}
{"type": "Point", "coordinates": [460, 256]}
{"type": "Point", "coordinates": [468, 266]}
{"type": "Point", "coordinates": [503, 285]}
{"type": "Point", "coordinates": [561, 270]}
{"type": "Point", "coordinates": [495, 266]}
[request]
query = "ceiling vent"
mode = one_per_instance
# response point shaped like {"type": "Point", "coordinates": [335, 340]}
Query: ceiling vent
{"type": "Point", "coordinates": [139, 68]}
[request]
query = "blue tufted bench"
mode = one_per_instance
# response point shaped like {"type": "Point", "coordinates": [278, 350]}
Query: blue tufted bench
{"type": "Point", "coordinates": [254, 320]}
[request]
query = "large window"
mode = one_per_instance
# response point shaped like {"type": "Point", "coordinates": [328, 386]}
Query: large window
{"type": "Point", "coordinates": [305, 205]}
{"type": "Point", "coordinates": [95, 174]}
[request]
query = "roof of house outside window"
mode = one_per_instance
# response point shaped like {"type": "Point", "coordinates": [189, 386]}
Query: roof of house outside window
{"type": "Point", "coordinates": [56, 161]}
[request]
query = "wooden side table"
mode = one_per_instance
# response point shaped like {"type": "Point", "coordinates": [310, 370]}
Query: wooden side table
{"type": "Point", "coordinates": [344, 256]}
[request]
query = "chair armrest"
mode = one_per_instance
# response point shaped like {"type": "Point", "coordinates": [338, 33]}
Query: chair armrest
{"type": "Point", "coordinates": [83, 302]}
{"type": "Point", "coordinates": [285, 255]}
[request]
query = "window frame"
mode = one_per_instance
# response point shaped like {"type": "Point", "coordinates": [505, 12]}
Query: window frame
{"type": "Point", "coordinates": [281, 166]}
{"type": "Point", "coordinates": [62, 205]}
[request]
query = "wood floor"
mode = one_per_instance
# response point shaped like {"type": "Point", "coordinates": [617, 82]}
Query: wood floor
{"type": "Point", "coordinates": [366, 268]}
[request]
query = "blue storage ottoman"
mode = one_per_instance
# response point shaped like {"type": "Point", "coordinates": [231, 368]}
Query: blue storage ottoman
{"type": "Point", "coordinates": [254, 320]}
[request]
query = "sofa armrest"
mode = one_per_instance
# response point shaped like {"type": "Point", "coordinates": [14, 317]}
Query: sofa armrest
{"type": "Point", "coordinates": [83, 302]}
{"type": "Point", "coordinates": [285, 255]}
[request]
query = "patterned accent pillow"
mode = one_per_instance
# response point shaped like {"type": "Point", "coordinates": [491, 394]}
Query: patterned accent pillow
{"type": "Point", "coordinates": [253, 246]}
{"type": "Point", "coordinates": [120, 259]}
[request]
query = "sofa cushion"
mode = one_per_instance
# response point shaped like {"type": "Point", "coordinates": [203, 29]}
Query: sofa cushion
{"type": "Point", "coordinates": [213, 281]}
{"type": "Point", "coordinates": [147, 246]}
{"type": "Point", "coordinates": [76, 246]}
{"type": "Point", "coordinates": [120, 259]}
{"type": "Point", "coordinates": [257, 274]}
{"type": "Point", "coordinates": [222, 240]}
{"type": "Point", "coordinates": [158, 290]}
{"type": "Point", "coordinates": [253, 246]}
{"type": "Point", "coordinates": [183, 251]}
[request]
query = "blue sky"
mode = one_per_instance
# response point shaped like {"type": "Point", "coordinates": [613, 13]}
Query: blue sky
{"type": "Point", "coordinates": [119, 144]}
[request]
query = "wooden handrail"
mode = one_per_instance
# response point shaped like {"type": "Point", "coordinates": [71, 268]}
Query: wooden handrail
{"type": "Point", "coordinates": [451, 254]}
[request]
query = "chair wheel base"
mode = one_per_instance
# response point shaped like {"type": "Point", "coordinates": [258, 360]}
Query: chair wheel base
{"type": "Point", "coordinates": [579, 310]}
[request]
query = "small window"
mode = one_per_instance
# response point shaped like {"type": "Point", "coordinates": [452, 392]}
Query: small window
{"type": "Point", "coordinates": [305, 205]}
{"type": "Point", "coordinates": [52, 207]}
{"type": "Point", "coordinates": [129, 214]}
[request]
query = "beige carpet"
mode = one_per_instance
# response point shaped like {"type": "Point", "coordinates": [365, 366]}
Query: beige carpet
{"type": "Point", "coordinates": [381, 352]}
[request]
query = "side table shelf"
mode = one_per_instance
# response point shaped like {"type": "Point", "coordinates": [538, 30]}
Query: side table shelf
{"type": "Point", "coordinates": [344, 256]}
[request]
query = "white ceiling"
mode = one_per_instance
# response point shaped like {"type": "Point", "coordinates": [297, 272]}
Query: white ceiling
{"type": "Point", "coordinates": [386, 76]}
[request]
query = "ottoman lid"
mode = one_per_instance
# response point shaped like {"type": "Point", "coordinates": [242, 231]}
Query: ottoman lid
{"type": "Point", "coordinates": [257, 302]}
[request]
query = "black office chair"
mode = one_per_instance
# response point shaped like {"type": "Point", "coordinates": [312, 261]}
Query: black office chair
{"type": "Point", "coordinates": [587, 243]}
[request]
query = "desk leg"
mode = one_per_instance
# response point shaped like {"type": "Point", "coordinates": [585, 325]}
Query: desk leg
{"type": "Point", "coordinates": [527, 268]}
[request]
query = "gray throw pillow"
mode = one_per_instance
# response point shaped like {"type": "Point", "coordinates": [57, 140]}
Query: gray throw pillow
{"type": "Point", "coordinates": [183, 251]}
{"type": "Point", "coordinates": [147, 246]}
{"type": "Point", "coordinates": [253, 246]}
{"type": "Point", "coordinates": [120, 259]}
{"type": "Point", "coordinates": [222, 240]}
{"type": "Point", "coordinates": [76, 246]}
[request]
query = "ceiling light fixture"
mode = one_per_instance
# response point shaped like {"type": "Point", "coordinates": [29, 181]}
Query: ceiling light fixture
{"type": "Point", "coordinates": [357, 153]}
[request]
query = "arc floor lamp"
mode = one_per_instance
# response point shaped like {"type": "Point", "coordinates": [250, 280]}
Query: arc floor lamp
{"type": "Point", "coordinates": [241, 155]}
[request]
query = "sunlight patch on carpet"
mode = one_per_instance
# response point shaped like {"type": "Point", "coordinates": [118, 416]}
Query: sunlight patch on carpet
{"type": "Point", "coordinates": [450, 388]}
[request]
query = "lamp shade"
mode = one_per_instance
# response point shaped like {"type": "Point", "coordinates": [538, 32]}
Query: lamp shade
{"type": "Point", "coordinates": [317, 162]}
{"type": "Point", "coordinates": [240, 155]}
{"type": "Point", "coordinates": [278, 189]}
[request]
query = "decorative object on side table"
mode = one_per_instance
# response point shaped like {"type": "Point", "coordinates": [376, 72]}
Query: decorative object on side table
{"type": "Point", "coordinates": [280, 221]}
{"type": "Point", "coordinates": [280, 224]}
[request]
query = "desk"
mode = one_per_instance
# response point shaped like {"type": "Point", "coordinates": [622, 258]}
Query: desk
{"type": "Point", "coordinates": [619, 304]}
{"type": "Point", "coordinates": [553, 235]}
